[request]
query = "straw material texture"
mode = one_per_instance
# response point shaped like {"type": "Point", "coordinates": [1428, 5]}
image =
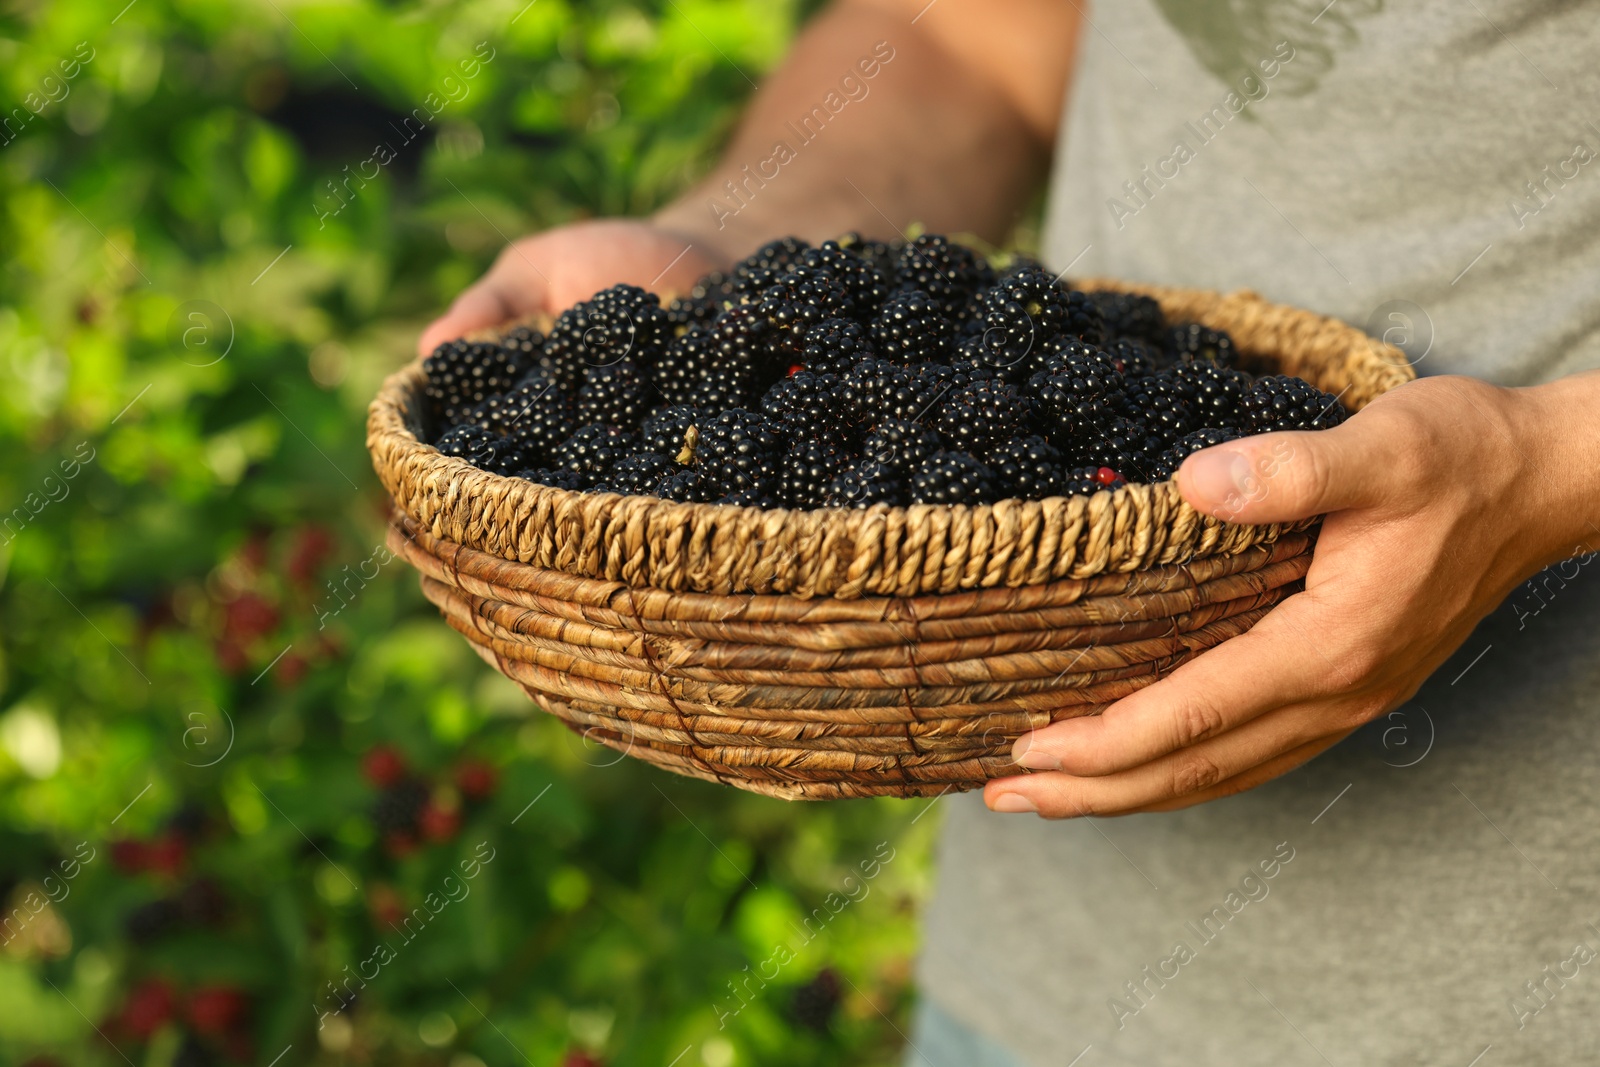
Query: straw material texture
{"type": "Point", "coordinates": [831, 653]}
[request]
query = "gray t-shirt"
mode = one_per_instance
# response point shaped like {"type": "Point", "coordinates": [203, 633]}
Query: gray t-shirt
{"type": "Point", "coordinates": [1425, 892]}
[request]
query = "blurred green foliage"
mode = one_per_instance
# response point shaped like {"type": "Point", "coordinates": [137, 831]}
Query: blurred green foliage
{"type": "Point", "coordinates": [189, 335]}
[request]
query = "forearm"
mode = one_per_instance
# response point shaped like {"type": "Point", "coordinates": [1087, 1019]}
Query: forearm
{"type": "Point", "coordinates": [872, 123]}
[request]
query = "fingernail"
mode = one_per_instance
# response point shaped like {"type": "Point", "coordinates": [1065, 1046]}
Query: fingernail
{"type": "Point", "coordinates": [1216, 475]}
{"type": "Point", "coordinates": [1023, 754]}
{"type": "Point", "coordinates": [1014, 804]}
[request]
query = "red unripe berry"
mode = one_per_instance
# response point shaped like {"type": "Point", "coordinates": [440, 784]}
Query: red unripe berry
{"type": "Point", "coordinates": [383, 765]}
{"type": "Point", "coordinates": [217, 1010]}
{"type": "Point", "coordinates": [150, 1004]}
{"type": "Point", "coordinates": [167, 855]}
{"type": "Point", "coordinates": [129, 857]}
{"type": "Point", "coordinates": [578, 1058]}
{"type": "Point", "coordinates": [439, 823]}
{"type": "Point", "coordinates": [1107, 476]}
{"type": "Point", "coordinates": [476, 779]}
{"type": "Point", "coordinates": [795, 368]}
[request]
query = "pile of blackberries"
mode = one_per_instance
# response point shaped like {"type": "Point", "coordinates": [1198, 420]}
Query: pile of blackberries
{"type": "Point", "coordinates": [852, 373]}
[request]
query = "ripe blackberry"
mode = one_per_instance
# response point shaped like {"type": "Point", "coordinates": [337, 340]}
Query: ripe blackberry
{"type": "Point", "coordinates": [1130, 315]}
{"type": "Point", "coordinates": [640, 473]}
{"type": "Point", "coordinates": [1077, 392]}
{"type": "Point", "coordinates": [1162, 403]}
{"type": "Point", "coordinates": [899, 444]}
{"type": "Point", "coordinates": [800, 299]}
{"type": "Point", "coordinates": [875, 390]}
{"type": "Point", "coordinates": [806, 405]}
{"type": "Point", "coordinates": [881, 254]}
{"type": "Point", "coordinates": [911, 328]}
{"type": "Point", "coordinates": [1279, 402]}
{"type": "Point", "coordinates": [1214, 391]}
{"type": "Point", "coordinates": [1028, 468]}
{"type": "Point", "coordinates": [749, 498]}
{"type": "Point", "coordinates": [738, 450]}
{"type": "Point", "coordinates": [1125, 445]}
{"type": "Point", "coordinates": [557, 478]}
{"type": "Point", "coordinates": [833, 346]}
{"type": "Point", "coordinates": [692, 310]}
{"type": "Point", "coordinates": [540, 424]}
{"type": "Point", "coordinates": [1193, 343]}
{"type": "Point", "coordinates": [1170, 460]}
{"type": "Point", "coordinates": [813, 1004]}
{"type": "Point", "coordinates": [1134, 358]}
{"type": "Point", "coordinates": [962, 372]}
{"type": "Point", "coordinates": [663, 429]}
{"type": "Point", "coordinates": [683, 365]}
{"type": "Point", "coordinates": [951, 274]}
{"type": "Point", "coordinates": [594, 448]}
{"type": "Point", "coordinates": [622, 322]}
{"type": "Point", "coordinates": [397, 807]}
{"type": "Point", "coordinates": [864, 285]}
{"type": "Point", "coordinates": [743, 350]}
{"type": "Point", "coordinates": [951, 478]}
{"type": "Point", "coordinates": [864, 483]}
{"type": "Point", "coordinates": [482, 449]}
{"type": "Point", "coordinates": [1085, 481]}
{"type": "Point", "coordinates": [686, 487]}
{"type": "Point", "coordinates": [975, 416]}
{"type": "Point", "coordinates": [753, 274]}
{"type": "Point", "coordinates": [463, 374]}
{"type": "Point", "coordinates": [806, 471]}
{"type": "Point", "coordinates": [525, 344]}
{"type": "Point", "coordinates": [536, 389]}
{"type": "Point", "coordinates": [616, 393]}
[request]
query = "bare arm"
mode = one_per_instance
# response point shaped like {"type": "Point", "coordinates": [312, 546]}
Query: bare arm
{"type": "Point", "coordinates": [890, 112]}
{"type": "Point", "coordinates": [951, 129]}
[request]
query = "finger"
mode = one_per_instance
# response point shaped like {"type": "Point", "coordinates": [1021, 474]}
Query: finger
{"type": "Point", "coordinates": [1272, 665]}
{"type": "Point", "coordinates": [1265, 772]}
{"type": "Point", "coordinates": [485, 304]}
{"type": "Point", "coordinates": [1179, 774]}
{"type": "Point", "coordinates": [1281, 477]}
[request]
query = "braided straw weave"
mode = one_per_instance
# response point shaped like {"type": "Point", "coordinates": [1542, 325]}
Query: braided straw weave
{"type": "Point", "coordinates": [831, 653]}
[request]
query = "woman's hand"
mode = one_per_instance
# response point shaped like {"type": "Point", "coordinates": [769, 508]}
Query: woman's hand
{"type": "Point", "coordinates": [553, 270]}
{"type": "Point", "coordinates": [1441, 497]}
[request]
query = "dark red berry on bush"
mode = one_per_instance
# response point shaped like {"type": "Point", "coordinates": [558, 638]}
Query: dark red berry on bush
{"type": "Point", "coordinates": [217, 1010]}
{"type": "Point", "coordinates": [150, 1005]}
{"type": "Point", "coordinates": [383, 765]}
{"type": "Point", "coordinates": [438, 822]}
{"type": "Point", "coordinates": [476, 779]}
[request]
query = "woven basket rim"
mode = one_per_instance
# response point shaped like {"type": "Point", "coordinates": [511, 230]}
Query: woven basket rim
{"type": "Point", "coordinates": [880, 550]}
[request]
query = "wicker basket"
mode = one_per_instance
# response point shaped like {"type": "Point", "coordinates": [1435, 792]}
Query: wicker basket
{"type": "Point", "coordinates": [828, 653]}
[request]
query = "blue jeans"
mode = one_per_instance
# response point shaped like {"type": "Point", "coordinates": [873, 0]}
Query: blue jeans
{"type": "Point", "coordinates": [939, 1039]}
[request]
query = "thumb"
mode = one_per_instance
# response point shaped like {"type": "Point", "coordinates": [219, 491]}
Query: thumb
{"type": "Point", "coordinates": [1281, 477]}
